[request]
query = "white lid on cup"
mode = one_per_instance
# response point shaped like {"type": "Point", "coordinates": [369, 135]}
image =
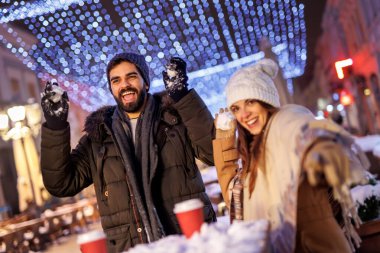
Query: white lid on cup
{"type": "Point", "coordinates": [188, 205]}
{"type": "Point", "coordinates": [90, 236]}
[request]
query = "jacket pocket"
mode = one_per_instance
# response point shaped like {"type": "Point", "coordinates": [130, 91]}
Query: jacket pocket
{"type": "Point", "coordinates": [118, 239]}
{"type": "Point", "coordinates": [182, 151]}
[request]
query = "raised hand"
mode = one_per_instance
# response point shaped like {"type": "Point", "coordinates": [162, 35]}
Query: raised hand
{"type": "Point", "coordinates": [55, 106]}
{"type": "Point", "coordinates": [175, 78]}
{"type": "Point", "coordinates": [326, 162]}
{"type": "Point", "coordinates": [225, 124]}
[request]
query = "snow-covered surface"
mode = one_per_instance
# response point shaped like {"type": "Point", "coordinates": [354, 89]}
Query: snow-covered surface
{"type": "Point", "coordinates": [361, 192]}
{"type": "Point", "coordinates": [223, 121]}
{"type": "Point", "coordinates": [376, 150]}
{"type": "Point", "coordinates": [369, 143]}
{"type": "Point", "coordinates": [220, 237]}
{"type": "Point", "coordinates": [213, 190]}
{"type": "Point", "coordinates": [209, 175]}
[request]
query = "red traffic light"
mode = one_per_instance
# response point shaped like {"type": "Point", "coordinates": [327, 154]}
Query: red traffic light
{"type": "Point", "coordinates": [346, 98]}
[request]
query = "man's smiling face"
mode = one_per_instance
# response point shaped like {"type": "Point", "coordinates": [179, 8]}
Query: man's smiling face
{"type": "Point", "coordinates": [128, 87]}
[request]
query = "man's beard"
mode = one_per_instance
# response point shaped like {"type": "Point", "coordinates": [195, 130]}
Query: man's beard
{"type": "Point", "coordinates": [133, 106]}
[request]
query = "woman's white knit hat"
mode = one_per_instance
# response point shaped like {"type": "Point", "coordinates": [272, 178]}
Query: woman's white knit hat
{"type": "Point", "coordinates": [254, 82]}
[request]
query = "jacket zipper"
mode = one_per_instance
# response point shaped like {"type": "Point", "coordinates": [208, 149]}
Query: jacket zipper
{"type": "Point", "coordinates": [139, 229]}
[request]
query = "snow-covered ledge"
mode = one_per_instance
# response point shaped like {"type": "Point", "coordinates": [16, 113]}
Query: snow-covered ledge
{"type": "Point", "coordinates": [367, 198]}
{"type": "Point", "coordinates": [219, 237]}
{"type": "Point", "coordinates": [369, 143]}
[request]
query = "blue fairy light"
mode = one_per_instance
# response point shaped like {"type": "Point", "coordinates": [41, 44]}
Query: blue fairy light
{"type": "Point", "coordinates": [75, 39]}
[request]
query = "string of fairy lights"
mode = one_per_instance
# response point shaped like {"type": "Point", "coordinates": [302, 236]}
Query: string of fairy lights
{"type": "Point", "coordinates": [75, 39]}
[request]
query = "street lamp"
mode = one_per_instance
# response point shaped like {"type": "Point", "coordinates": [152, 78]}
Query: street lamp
{"type": "Point", "coordinates": [21, 124]}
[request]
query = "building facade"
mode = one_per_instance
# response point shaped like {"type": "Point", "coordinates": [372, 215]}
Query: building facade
{"type": "Point", "coordinates": [350, 30]}
{"type": "Point", "coordinates": [18, 86]}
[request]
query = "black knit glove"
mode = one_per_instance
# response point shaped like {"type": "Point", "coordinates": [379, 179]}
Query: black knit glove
{"type": "Point", "coordinates": [54, 102]}
{"type": "Point", "coordinates": [175, 78]}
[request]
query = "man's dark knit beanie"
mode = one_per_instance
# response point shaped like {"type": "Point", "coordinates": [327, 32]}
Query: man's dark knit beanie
{"type": "Point", "coordinates": [136, 59]}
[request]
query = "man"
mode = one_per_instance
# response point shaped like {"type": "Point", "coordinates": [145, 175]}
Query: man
{"type": "Point", "coordinates": [139, 154]}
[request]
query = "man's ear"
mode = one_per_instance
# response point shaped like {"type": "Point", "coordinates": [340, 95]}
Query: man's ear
{"type": "Point", "coordinates": [147, 87]}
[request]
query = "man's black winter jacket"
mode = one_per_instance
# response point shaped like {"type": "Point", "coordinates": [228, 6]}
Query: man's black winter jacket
{"type": "Point", "coordinates": [96, 160]}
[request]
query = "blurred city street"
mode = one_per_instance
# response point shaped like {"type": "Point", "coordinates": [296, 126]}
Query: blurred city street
{"type": "Point", "coordinates": [68, 244]}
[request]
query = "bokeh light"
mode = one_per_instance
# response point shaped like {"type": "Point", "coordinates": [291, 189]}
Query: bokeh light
{"type": "Point", "coordinates": [77, 38]}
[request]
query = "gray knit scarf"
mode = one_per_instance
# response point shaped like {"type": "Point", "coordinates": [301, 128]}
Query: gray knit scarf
{"type": "Point", "coordinates": [141, 163]}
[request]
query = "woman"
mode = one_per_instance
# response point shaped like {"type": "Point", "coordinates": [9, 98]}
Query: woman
{"type": "Point", "coordinates": [290, 163]}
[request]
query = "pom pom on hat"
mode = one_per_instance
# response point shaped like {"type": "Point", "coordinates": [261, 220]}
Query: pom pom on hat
{"type": "Point", "coordinates": [254, 82]}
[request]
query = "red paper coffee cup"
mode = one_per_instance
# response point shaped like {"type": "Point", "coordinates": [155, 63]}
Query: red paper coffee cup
{"type": "Point", "coordinates": [190, 216]}
{"type": "Point", "coordinates": [92, 242]}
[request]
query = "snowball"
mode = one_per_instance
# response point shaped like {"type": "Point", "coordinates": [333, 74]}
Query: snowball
{"type": "Point", "coordinates": [224, 120]}
{"type": "Point", "coordinates": [58, 92]}
{"type": "Point", "coordinates": [171, 73]}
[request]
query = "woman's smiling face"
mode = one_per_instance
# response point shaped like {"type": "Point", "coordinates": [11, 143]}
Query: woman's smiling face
{"type": "Point", "coordinates": [250, 114]}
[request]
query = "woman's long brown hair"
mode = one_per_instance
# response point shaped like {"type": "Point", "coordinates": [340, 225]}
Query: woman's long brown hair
{"type": "Point", "coordinates": [251, 148]}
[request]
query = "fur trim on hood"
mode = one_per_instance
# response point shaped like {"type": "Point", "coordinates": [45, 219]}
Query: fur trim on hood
{"type": "Point", "coordinates": [96, 120]}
